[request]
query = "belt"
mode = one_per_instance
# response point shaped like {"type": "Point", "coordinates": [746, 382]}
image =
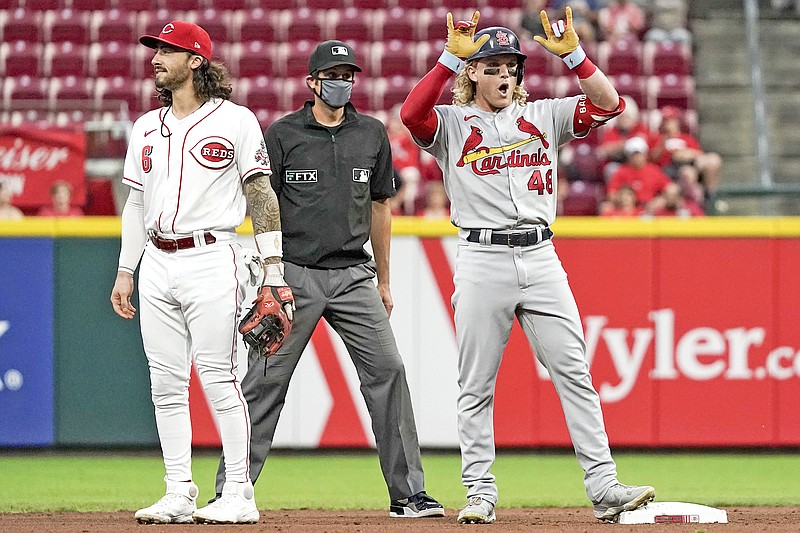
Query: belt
{"type": "Point", "coordinates": [173, 245]}
{"type": "Point", "coordinates": [526, 238]}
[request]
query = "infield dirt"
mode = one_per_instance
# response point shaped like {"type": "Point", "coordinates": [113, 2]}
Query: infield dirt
{"type": "Point", "coordinates": [578, 520]}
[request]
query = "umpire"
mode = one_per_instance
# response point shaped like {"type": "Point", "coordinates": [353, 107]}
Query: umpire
{"type": "Point", "coordinates": [332, 172]}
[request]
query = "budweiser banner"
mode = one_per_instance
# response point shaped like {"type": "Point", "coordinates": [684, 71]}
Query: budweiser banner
{"type": "Point", "coordinates": [691, 342]}
{"type": "Point", "coordinates": [32, 159]}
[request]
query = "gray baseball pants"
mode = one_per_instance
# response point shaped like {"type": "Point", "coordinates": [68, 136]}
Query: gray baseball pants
{"type": "Point", "coordinates": [349, 301]}
{"type": "Point", "coordinates": [493, 284]}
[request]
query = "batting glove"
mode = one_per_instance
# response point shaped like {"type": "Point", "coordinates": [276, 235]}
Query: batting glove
{"type": "Point", "coordinates": [461, 37]}
{"type": "Point", "coordinates": [561, 39]}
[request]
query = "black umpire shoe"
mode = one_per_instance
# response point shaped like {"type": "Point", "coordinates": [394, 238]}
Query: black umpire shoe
{"type": "Point", "coordinates": [420, 505]}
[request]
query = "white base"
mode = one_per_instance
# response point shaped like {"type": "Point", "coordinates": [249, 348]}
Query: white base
{"type": "Point", "coordinates": [674, 513]}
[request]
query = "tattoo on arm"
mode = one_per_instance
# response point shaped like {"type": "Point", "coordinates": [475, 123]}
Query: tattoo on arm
{"type": "Point", "coordinates": [263, 202]}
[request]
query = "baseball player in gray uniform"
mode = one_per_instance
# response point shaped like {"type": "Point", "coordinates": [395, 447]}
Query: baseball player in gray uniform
{"type": "Point", "coordinates": [498, 153]}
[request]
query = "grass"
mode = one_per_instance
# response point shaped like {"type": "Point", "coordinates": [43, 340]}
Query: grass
{"type": "Point", "coordinates": [52, 481]}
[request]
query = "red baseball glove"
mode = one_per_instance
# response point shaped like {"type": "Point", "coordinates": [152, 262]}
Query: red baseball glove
{"type": "Point", "coordinates": [267, 324]}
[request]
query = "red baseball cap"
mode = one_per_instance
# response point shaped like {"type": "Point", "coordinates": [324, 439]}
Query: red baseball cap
{"type": "Point", "coordinates": [181, 34]}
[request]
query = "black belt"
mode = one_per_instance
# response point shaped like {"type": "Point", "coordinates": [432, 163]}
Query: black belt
{"type": "Point", "coordinates": [526, 238]}
{"type": "Point", "coordinates": [173, 245]}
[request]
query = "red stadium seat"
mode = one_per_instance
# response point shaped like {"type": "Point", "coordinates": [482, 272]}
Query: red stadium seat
{"type": "Point", "coordinates": [302, 25]}
{"type": "Point", "coordinates": [297, 92]}
{"type": "Point", "coordinates": [294, 58]}
{"type": "Point", "coordinates": [20, 58]}
{"type": "Point", "coordinates": [229, 5]}
{"type": "Point", "coordinates": [677, 91]}
{"type": "Point", "coordinates": [136, 5]}
{"type": "Point", "coordinates": [583, 199]}
{"type": "Point", "coordinates": [394, 90]}
{"type": "Point", "coordinates": [6, 5]}
{"type": "Point", "coordinates": [462, 4]}
{"type": "Point", "coordinates": [362, 95]}
{"type": "Point", "coordinates": [180, 5]}
{"type": "Point", "coordinates": [633, 86]}
{"type": "Point", "coordinates": [566, 86]}
{"type": "Point", "coordinates": [69, 92]}
{"type": "Point", "coordinates": [114, 94]}
{"type": "Point", "coordinates": [413, 4]}
{"type": "Point", "coordinates": [151, 23]}
{"type": "Point", "coordinates": [22, 25]}
{"type": "Point", "coordinates": [435, 27]}
{"type": "Point", "coordinates": [254, 25]}
{"type": "Point", "coordinates": [667, 57]}
{"type": "Point", "coordinates": [325, 4]}
{"type": "Point", "coordinates": [91, 5]}
{"type": "Point", "coordinates": [371, 4]}
{"type": "Point", "coordinates": [538, 87]}
{"type": "Point", "coordinates": [254, 58]}
{"type": "Point", "coordinates": [353, 25]}
{"type": "Point", "coordinates": [585, 165]}
{"type": "Point", "coordinates": [623, 56]}
{"type": "Point", "coordinates": [427, 55]}
{"type": "Point", "coordinates": [395, 24]}
{"type": "Point", "coordinates": [215, 23]}
{"type": "Point", "coordinates": [43, 5]}
{"type": "Point", "coordinates": [394, 57]}
{"type": "Point", "coordinates": [263, 92]}
{"type": "Point", "coordinates": [490, 16]}
{"type": "Point", "coordinates": [539, 59]}
{"type": "Point", "coordinates": [65, 59]}
{"type": "Point", "coordinates": [67, 26]}
{"type": "Point", "coordinates": [113, 25]}
{"type": "Point", "coordinates": [107, 60]}
{"type": "Point", "coordinates": [25, 90]}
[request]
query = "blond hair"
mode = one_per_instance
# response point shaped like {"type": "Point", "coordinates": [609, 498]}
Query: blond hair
{"type": "Point", "coordinates": [464, 90]}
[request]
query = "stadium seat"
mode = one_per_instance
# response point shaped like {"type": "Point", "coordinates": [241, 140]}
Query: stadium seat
{"type": "Point", "coordinates": [20, 58]}
{"type": "Point", "coordinates": [113, 25]}
{"type": "Point", "coordinates": [633, 86]}
{"type": "Point", "coordinates": [278, 5]}
{"type": "Point", "coordinates": [371, 4]}
{"type": "Point", "coordinates": [427, 55]}
{"type": "Point", "coordinates": [253, 25]}
{"type": "Point", "coordinates": [354, 25]}
{"type": "Point", "coordinates": [538, 61]}
{"type": "Point", "coordinates": [24, 90]}
{"type": "Point", "coordinates": [325, 4]}
{"type": "Point", "coordinates": [91, 5]}
{"type": "Point", "coordinates": [22, 25]}
{"type": "Point", "coordinates": [294, 58]}
{"type": "Point", "coordinates": [111, 93]}
{"type": "Point", "coordinates": [490, 16]}
{"type": "Point", "coordinates": [394, 57]}
{"type": "Point", "coordinates": [677, 91]}
{"type": "Point", "coordinates": [667, 57]}
{"type": "Point", "coordinates": [301, 25]}
{"type": "Point", "coordinates": [362, 96]}
{"type": "Point", "coordinates": [67, 26]}
{"type": "Point", "coordinates": [583, 199]}
{"type": "Point", "coordinates": [394, 90]}
{"type": "Point", "coordinates": [65, 59]}
{"type": "Point", "coordinates": [435, 27]}
{"type": "Point", "coordinates": [180, 5]}
{"type": "Point", "coordinates": [263, 92]}
{"type": "Point", "coordinates": [623, 56]}
{"type": "Point", "coordinates": [152, 22]}
{"type": "Point", "coordinates": [228, 5]}
{"type": "Point", "coordinates": [253, 59]}
{"type": "Point", "coordinates": [394, 24]}
{"type": "Point", "coordinates": [107, 60]}
{"type": "Point", "coordinates": [585, 166]}
{"type": "Point", "coordinates": [7, 5]}
{"type": "Point", "coordinates": [564, 86]}
{"type": "Point", "coordinates": [413, 4]}
{"type": "Point", "coordinates": [538, 86]}
{"type": "Point", "coordinates": [68, 92]}
{"type": "Point", "coordinates": [136, 5]}
{"type": "Point", "coordinates": [215, 23]}
{"type": "Point", "coordinates": [43, 5]}
{"type": "Point", "coordinates": [296, 93]}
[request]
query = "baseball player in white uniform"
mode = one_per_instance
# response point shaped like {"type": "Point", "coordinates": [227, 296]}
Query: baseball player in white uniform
{"type": "Point", "coordinates": [498, 153]}
{"type": "Point", "coordinates": [189, 166]}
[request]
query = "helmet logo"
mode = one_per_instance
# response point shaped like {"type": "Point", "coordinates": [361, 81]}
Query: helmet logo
{"type": "Point", "coordinates": [502, 38]}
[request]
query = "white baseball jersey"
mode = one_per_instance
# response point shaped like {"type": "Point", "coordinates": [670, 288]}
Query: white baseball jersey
{"type": "Point", "coordinates": [192, 170]}
{"type": "Point", "coordinates": [500, 168]}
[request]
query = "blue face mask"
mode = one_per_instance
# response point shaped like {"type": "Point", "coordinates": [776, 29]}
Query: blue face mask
{"type": "Point", "coordinates": [335, 93]}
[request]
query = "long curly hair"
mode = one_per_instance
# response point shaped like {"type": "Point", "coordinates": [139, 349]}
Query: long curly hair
{"type": "Point", "coordinates": [464, 90]}
{"type": "Point", "coordinates": [211, 80]}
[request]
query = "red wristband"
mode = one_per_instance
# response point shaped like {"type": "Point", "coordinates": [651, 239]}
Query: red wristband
{"type": "Point", "coordinates": [585, 69]}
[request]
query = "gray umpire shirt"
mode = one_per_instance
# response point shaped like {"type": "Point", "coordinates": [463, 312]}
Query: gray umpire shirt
{"type": "Point", "coordinates": [326, 179]}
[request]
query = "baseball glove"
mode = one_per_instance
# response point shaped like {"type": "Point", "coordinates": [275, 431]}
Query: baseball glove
{"type": "Point", "coordinates": [267, 324]}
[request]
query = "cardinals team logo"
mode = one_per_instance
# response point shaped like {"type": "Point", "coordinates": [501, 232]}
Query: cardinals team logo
{"type": "Point", "coordinates": [215, 153]}
{"type": "Point", "coordinates": [502, 38]}
{"type": "Point", "coordinates": [485, 161]}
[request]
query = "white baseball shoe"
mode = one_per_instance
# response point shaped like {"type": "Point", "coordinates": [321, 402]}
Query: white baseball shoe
{"type": "Point", "coordinates": [477, 511]}
{"type": "Point", "coordinates": [237, 505]}
{"type": "Point", "coordinates": [620, 498]}
{"type": "Point", "coordinates": [175, 507]}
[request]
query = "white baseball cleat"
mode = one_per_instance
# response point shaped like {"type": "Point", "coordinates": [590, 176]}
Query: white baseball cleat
{"type": "Point", "coordinates": [620, 498]}
{"type": "Point", "coordinates": [175, 507]}
{"type": "Point", "coordinates": [477, 511]}
{"type": "Point", "coordinates": [237, 505]}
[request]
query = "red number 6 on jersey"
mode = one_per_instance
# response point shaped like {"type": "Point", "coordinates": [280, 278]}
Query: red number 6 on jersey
{"type": "Point", "coordinates": [536, 183]}
{"type": "Point", "coordinates": [147, 163]}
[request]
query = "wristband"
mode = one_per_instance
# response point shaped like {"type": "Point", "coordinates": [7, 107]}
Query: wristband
{"type": "Point", "coordinates": [270, 243]}
{"type": "Point", "coordinates": [585, 69]}
{"type": "Point", "coordinates": [574, 58]}
{"type": "Point", "coordinates": [451, 61]}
